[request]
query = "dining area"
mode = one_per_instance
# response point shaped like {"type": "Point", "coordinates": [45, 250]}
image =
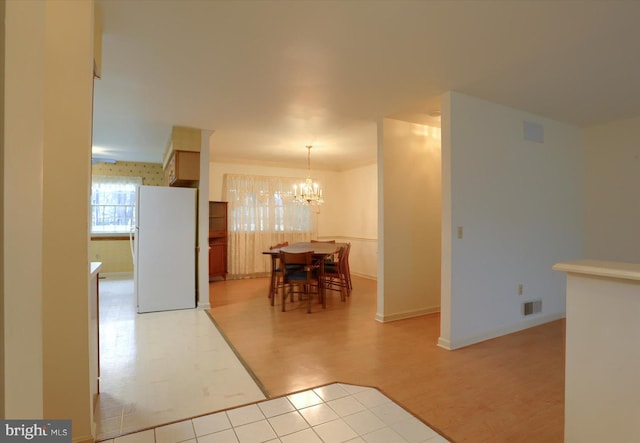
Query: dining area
{"type": "Point", "coordinates": [309, 270]}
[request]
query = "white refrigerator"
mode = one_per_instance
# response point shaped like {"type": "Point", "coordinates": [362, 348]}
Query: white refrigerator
{"type": "Point", "coordinates": [164, 248]}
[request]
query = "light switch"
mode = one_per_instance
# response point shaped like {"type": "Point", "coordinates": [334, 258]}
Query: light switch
{"type": "Point", "coordinates": [459, 231]}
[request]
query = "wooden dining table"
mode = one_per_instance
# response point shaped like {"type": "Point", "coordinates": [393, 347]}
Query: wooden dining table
{"type": "Point", "coordinates": [321, 250]}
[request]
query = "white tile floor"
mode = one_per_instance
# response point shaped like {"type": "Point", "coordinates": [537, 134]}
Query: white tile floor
{"type": "Point", "coordinates": [161, 367]}
{"type": "Point", "coordinates": [331, 414]}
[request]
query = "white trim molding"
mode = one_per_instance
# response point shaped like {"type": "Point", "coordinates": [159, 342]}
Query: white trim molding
{"type": "Point", "coordinates": [407, 314]}
{"type": "Point", "coordinates": [202, 306]}
{"type": "Point", "coordinates": [367, 276]}
{"type": "Point", "coordinates": [342, 237]}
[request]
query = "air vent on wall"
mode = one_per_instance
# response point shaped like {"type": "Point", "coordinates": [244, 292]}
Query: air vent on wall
{"type": "Point", "coordinates": [531, 307]}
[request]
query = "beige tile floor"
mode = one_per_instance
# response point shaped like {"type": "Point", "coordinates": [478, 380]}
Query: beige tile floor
{"type": "Point", "coordinates": [331, 414]}
{"type": "Point", "coordinates": [161, 367]}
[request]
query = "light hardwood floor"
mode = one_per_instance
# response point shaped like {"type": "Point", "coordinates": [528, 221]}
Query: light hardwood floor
{"type": "Point", "coordinates": [510, 389]}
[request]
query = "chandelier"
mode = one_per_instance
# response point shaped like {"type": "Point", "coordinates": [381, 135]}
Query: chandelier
{"type": "Point", "coordinates": [309, 192]}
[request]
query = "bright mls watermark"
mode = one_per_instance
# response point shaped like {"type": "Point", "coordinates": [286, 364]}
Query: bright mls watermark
{"type": "Point", "coordinates": [36, 431]}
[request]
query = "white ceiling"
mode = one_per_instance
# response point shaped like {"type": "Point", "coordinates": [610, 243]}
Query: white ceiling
{"type": "Point", "coordinates": [270, 77]}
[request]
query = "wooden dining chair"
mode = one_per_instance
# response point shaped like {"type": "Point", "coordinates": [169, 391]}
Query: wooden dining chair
{"type": "Point", "coordinates": [348, 269]}
{"type": "Point", "coordinates": [335, 274]}
{"type": "Point", "coordinates": [276, 272]}
{"type": "Point", "coordinates": [328, 258]}
{"type": "Point", "coordinates": [299, 271]}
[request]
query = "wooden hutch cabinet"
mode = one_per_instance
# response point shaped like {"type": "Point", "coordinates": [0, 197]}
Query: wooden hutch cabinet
{"type": "Point", "coordinates": [217, 240]}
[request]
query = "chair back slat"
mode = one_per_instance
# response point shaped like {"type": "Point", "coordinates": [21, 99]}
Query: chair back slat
{"type": "Point", "coordinates": [298, 269]}
{"type": "Point", "coordinates": [296, 258]}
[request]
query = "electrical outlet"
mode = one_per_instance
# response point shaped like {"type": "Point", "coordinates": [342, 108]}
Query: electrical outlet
{"type": "Point", "coordinates": [520, 289]}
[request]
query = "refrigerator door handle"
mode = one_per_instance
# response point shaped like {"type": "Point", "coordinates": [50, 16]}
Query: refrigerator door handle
{"type": "Point", "coordinates": [131, 245]}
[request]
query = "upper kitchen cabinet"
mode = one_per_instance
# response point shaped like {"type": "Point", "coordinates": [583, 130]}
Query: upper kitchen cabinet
{"type": "Point", "coordinates": [182, 157]}
{"type": "Point", "coordinates": [183, 169]}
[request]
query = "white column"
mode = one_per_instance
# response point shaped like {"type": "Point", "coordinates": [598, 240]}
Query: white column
{"type": "Point", "coordinates": [48, 120]}
{"type": "Point", "coordinates": [23, 194]}
{"type": "Point", "coordinates": [68, 97]}
{"type": "Point", "coordinates": [203, 222]}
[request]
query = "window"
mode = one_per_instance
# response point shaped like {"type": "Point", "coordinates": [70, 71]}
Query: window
{"type": "Point", "coordinates": [113, 202]}
{"type": "Point", "coordinates": [261, 213]}
{"type": "Point", "coordinates": [265, 204]}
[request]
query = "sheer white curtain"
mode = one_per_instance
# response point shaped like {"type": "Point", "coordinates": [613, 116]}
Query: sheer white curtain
{"type": "Point", "coordinates": [262, 213]}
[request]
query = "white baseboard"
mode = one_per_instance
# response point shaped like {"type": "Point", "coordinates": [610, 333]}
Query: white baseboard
{"type": "Point", "coordinates": [367, 276]}
{"type": "Point", "coordinates": [526, 324]}
{"type": "Point", "coordinates": [444, 343]}
{"type": "Point", "coordinates": [343, 239]}
{"type": "Point", "coordinates": [203, 306]}
{"type": "Point", "coordinates": [407, 314]}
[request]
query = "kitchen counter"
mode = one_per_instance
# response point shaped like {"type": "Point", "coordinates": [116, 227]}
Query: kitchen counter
{"type": "Point", "coordinates": [95, 268]}
{"type": "Point", "coordinates": [630, 271]}
{"type": "Point", "coordinates": [602, 357]}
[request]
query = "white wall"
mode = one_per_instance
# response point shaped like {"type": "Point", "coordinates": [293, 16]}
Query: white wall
{"type": "Point", "coordinates": [410, 229]}
{"type": "Point", "coordinates": [48, 105]}
{"type": "Point", "coordinates": [343, 216]}
{"type": "Point", "coordinates": [520, 205]}
{"type": "Point", "coordinates": [2, 57]}
{"type": "Point", "coordinates": [612, 184]}
{"type": "Point", "coordinates": [25, 52]}
{"type": "Point", "coordinates": [359, 223]}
